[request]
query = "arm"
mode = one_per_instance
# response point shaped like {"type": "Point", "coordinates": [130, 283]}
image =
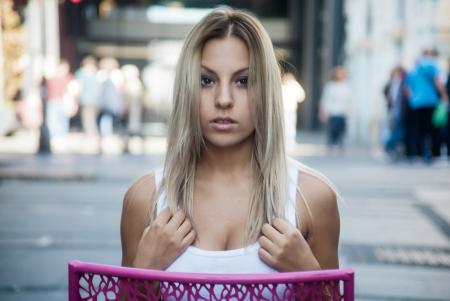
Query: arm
{"type": "Point", "coordinates": [441, 89]}
{"type": "Point", "coordinates": [433, 73]}
{"type": "Point", "coordinates": [323, 227]}
{"type": "Point", "coordinates": [136, 216]}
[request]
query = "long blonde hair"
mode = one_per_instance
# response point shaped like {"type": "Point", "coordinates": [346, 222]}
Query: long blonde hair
{"type": "Point", "coordinates": [185, 140]}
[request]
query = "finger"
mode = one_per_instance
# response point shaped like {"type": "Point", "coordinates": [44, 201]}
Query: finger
{"type": "Point", "coordinates": [184, 229]}
{"type": "Point", "coordinates": [177, 219]}
{"type": "Point", "coordinates": [268, 245]}
{"type": "Point", "coordinates": [164, 216]}
{"type": "Point", "coordinates": [283, 226]}
{"type": "Point", "coordinates": [272, 234]}
{"type": "Point", "coordinates": [189, 239]}
{"type": "Point", "coordinates": [266, 257]}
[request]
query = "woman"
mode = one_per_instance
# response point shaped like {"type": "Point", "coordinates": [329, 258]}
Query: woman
{"type": "Point", "coordinates": [228, 200]}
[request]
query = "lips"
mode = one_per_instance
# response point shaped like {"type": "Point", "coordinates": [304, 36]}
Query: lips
{"type": "Point", "coordinates": [223, 124]}
{"type": "Point", "coordinates": [223, 120]}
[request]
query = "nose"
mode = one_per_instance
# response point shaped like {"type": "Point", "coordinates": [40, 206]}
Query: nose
{"type": "Point", "coordinates": [224, 97]}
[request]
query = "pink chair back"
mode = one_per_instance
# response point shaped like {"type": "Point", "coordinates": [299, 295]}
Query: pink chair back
{"type": "Point", "coordinates": [95, 282]}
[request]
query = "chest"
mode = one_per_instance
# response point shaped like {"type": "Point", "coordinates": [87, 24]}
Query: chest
{"type": "Point", "coordinates": [220, 214]}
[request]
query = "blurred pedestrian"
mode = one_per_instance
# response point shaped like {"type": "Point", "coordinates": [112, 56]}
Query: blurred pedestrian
{"type": "Point", "coordinates": [132, 118]}
{"type": "Point", "coordinates": [86, 76]}
{"type": "Point", "coordinates": [293, 94]}
{"type": "Point", "coordinates": [396, 93]}
{"type": "Point", "coordinates": [110, 96]}
{"type": "Point", "coordinates": [426, 90]}
{"type": "Point", "coordinates": [132, 92]}
{"type": "Point", "coordinates": [335, 107]}
{"type": "Point", "coordinates": [61, 105]}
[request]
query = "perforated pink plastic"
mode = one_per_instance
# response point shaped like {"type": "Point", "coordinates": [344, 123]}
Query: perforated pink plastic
{"type": "Point", "coordinates": [95, 282]}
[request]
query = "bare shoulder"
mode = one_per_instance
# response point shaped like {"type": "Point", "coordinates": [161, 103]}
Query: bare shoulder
{"type": "Point", "coordinates": [317, 189]}
{"type": "Point", "coordinates": [140, 194]}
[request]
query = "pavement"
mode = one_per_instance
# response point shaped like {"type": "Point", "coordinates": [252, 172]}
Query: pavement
{"type": "Point", "coordinates": [395, 217]}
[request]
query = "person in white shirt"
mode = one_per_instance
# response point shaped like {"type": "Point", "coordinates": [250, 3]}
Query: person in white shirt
{"type": "Point", "coordinates": [335, 107]}
{"type": "Point", "coordinates": [293, 94]}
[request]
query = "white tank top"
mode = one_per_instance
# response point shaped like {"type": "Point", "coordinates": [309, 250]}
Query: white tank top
{"type": "Point", "coordinates": [244, 260]}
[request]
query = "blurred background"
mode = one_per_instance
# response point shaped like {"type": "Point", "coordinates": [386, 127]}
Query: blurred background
{"type": "Point", "coordinates": [85, 91]}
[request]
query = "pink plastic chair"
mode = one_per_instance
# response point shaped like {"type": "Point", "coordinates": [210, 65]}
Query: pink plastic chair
{"type": "Point", "coordinates": [95, 282]}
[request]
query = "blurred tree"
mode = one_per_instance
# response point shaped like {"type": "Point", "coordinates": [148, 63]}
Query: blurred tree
{"type": "Point", "coordinates": [11, 51]}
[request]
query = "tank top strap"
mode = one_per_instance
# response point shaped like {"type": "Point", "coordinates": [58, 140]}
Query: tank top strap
{"type": "Point", "coordinates": [161, 202]}
{"type": "Point", "coordinates": [290, 206]}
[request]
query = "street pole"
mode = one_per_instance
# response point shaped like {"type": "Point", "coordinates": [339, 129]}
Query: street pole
{"type": "Point", "coordinates": [50, 44]}
{"type": "Point", "coordinates": [44, 137]}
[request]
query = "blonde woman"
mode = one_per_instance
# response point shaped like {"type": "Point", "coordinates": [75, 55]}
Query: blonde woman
{"type": "Point", "coordinates": [228, 200]}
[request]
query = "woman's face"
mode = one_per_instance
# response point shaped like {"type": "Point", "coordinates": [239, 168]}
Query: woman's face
{"type": "Point", "coordinates": [225, 115]}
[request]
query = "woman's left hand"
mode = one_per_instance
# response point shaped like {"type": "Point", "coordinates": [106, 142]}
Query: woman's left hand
{"type": "Point", "coordinates": [284, 248]}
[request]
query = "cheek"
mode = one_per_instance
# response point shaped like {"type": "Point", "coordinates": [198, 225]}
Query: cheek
{"type": "Point", "coordinates": [250, 113]}
{"type": "Point", "coordinates": [203, 102]}
{"type": "Point", "coordinates": [205, 109]}
{"type": "Point", "coordinates": [207, 96]}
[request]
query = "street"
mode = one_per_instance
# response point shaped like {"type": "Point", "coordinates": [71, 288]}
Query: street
{"type": "Point", "coordinates": [395, 220]}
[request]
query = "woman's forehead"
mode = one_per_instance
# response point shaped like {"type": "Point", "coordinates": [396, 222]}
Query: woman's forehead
{"type": "Point", "coordinates": [229, 53]}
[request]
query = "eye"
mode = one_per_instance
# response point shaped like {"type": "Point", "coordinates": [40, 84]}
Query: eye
{"type": "Point", "coordinates": [206, 81]}
{"type": "Point", "coordinates": [242, 81]}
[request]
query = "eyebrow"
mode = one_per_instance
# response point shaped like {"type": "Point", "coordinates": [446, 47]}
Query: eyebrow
{"type": "Point", "coordinates": [234, 73]}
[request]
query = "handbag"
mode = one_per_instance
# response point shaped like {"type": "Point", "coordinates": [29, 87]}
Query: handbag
{"type": "Point", "coordinates": [440, 115]}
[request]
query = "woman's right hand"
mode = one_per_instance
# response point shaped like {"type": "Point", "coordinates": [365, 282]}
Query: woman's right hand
{"type": "Point", "coordinates": [164, 240]}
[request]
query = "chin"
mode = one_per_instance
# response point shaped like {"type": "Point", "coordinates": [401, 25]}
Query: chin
{"type": "Point", "coordinates": [228, 142]}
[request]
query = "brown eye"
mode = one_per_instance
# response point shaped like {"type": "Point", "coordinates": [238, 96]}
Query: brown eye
{"type": "Point", "coordinates": [242, 81]}
{"type": "Point", "coordinates": [205, 81]}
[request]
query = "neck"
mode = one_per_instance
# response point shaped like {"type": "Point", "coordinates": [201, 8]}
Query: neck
{"type": "Point", "coordinates": [231, 160]}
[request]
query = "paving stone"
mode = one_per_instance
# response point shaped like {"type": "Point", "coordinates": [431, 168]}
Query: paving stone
{"type": "Point", "coordinates": [403, 283]}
